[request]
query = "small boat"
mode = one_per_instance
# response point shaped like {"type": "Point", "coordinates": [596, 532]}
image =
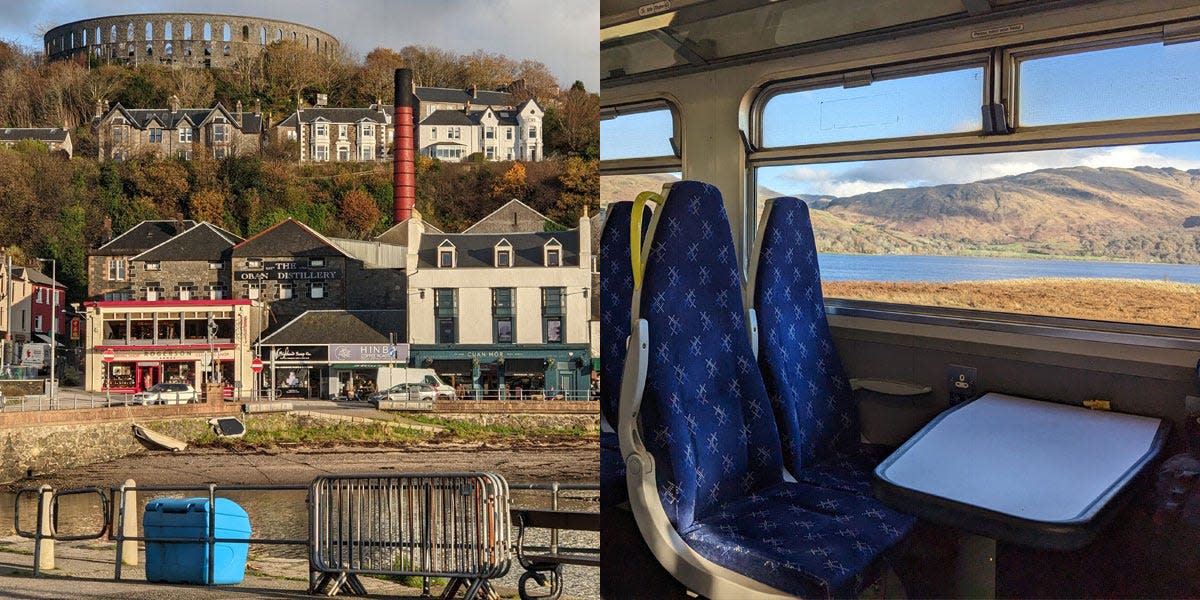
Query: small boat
{"type": "Point", "coordinates": [158, 440]}
{"type": "Point", "coordinates": [228, 427]}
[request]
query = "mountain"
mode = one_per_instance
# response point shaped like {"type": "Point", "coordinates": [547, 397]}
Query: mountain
{"type": "Point", "coordinates": [1141, 213]}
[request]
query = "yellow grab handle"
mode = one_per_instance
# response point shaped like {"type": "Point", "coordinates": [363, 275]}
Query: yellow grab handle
{"type": "Point", "coordinates": [635, 234]}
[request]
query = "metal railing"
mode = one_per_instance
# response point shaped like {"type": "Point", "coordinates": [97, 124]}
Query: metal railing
{"type": "Point", "coordinates": [453, 525]}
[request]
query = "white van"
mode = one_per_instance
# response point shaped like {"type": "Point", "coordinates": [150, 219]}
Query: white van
{"type": "Point", "coordinates": [390, 376]}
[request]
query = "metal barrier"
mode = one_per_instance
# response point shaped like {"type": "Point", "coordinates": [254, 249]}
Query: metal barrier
{"type": "Point", "coordinates": [46, 532]}
{"type": "Point", "coordinates": [453, 525]}
{"type": "Point", "coordinates": [543, 564]}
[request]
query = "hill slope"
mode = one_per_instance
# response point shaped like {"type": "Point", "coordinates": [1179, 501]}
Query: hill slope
{"type": "Point", "coordinates": [1144, 214]}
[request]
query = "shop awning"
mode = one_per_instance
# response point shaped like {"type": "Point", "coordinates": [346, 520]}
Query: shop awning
{"type": "Point", "coordinates": [525, 366]}
{"type": "Point", "coordinates": [456, 366]}
{"type": "Point", "coordinates": [46, 339]}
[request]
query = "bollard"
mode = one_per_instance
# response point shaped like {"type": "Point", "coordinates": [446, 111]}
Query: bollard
{"type": "Point", "coordinates": [45, 529]}
{"type": "Point", "coordinates": [129, 548]}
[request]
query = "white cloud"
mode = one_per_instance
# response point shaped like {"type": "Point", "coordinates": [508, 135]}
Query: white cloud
{"type": "Point", "coordinates": [870, 176]}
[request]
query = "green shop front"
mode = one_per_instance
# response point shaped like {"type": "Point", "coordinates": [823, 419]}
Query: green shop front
{"type": "Point", "coordinates": [509, 372]}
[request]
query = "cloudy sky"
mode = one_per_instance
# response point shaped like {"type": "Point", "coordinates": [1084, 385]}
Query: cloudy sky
{"type": "Point", "coordinates": [563, 34]}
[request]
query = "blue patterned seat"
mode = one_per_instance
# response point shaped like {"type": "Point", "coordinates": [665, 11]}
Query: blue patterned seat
{"type": "Point", "coordinates": [707, 423]}
{"type": "Point", "coordinates": [806, 382]}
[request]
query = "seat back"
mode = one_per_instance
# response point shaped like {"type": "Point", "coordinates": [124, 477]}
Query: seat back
{"type": "Point", "coordinates": [616, 301]}
{"type": "Point", "coordinates": [705, 416]}
{"type": "Point", "coordinates": [805, 379]}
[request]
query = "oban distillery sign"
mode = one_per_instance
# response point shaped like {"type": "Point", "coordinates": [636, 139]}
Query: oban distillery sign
{"type": "Point", "coordinates": [288, 271]}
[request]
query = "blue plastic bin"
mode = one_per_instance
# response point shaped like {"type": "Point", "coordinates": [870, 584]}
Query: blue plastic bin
{"type": "Point", "coordinates": [187, 562]}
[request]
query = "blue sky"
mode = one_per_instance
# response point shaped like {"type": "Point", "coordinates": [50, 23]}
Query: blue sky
{"type": "Point", "coordinates": [564, 35]}
{"type": "Point", "coordinates": [1126, 82]}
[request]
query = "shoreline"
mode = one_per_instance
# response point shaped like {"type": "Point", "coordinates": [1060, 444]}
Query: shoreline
{"type": "Point", "coordinates": [525, 460]}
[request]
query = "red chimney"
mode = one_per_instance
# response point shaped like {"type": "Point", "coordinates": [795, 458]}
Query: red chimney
{"type": "Point", "coordinates": [404, 183]}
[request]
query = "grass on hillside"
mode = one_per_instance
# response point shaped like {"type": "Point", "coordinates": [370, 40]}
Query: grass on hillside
{"type": "Point", "coordinates": [469, 431]}
{"type": "Point", "coordinates": [1121, 300]}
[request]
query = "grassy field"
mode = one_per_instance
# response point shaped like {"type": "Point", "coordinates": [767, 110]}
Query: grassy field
{"type": "Point", "coordinates": [1123, 300]}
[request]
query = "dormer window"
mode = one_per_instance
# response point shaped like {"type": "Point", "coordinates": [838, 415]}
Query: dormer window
{"type": "Point", "coordinates": [503, 254]}
{"type": "Point", "coordinates": [552, 253]}
{"type": "Point", "coordinates": [447, 255]}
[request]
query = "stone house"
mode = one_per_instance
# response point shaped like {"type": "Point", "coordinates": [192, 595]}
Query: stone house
{"type": "Point", "coordinates": [192, 265]}
{"type": "Point", "coordinates": [514, 216]}
{"type": "Point", "coordinates": [108, 266]}
{"type": "Point", "coordinates": [58, 139]}
{"type": "Point", "coordinates": [180, 132]}
{"type": "Point", "coordinates": [338, 134]}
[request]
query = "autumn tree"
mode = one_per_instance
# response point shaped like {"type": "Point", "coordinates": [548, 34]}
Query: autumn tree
{"type": "Point", "coordinates": [580, 181]}
{"type": "Point", "coordinates": [208, 205]}
{"type": "Point", "coordinates": [511, 184]}
{"type": "Point", "coordinates": [573, 127]}
{"type": "Point", "coordinates": [376, 79]}
{"type": "Point", "coordinates": [359, 211]}
{"type": "Point", "coordinates": [290, 68]}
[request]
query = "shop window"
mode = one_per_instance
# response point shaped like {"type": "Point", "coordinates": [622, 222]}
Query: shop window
{"type": "Point", "coordinates": [115, 329]}
{"type": "Point", "coordinates": [317, 291]}
{"type": "Point", "coordinates": [285, 291]}
{"type": "Point", "coordinates": [445, 309]}
{"type": "Point", "coordinates": [553, 313]}
{"type": "Point", "coordinates": [503, 315]}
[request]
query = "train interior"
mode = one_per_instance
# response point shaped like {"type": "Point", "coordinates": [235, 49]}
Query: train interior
{"type": "Point", "coordinates": [987, 140]}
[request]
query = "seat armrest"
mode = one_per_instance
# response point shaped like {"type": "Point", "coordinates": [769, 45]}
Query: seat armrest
{"type": "Point", "coordinates": [890, 387]}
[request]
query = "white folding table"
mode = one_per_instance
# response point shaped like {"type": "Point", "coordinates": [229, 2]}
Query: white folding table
{"type": "Point", "coordinates": [1030, 472]}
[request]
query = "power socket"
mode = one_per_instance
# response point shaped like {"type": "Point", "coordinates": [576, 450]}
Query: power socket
{"type": "Point", "coordinates": [962, 383]}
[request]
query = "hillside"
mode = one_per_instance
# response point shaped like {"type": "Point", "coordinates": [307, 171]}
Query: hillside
{"type": "Point", "coordinates": [1138, 213]}
{"type": "Point", "coordinates": [1142, 214]}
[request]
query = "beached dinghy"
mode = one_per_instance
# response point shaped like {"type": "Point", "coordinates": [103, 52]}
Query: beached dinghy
{"type": "Point", "coordinates": [158, 440]}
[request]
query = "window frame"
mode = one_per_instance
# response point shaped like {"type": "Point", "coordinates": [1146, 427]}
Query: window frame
{"type": "Point", "coordinates": [644, 164]}
{"type": "Point", "coordinates": [554, 312]}
{"type": "Point", "coordinates": [504, 312]}
{"type": "Point", "coordinates": [443, 314]}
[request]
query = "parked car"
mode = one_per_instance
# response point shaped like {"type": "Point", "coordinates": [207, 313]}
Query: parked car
{"type": "Point", "coordinates": [405, 392]}
{"type": "Point", "coordinates": [166, 393]}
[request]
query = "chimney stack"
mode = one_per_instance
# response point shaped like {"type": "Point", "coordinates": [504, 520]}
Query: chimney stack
{"type": "Point", "coordinates": [404, 182]}
{"type": "Point", "coordinates": [174, 103]}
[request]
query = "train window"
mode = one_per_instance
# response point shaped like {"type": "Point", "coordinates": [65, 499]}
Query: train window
{"type": "Point", "coordinates": [637, 134]}
{"type": "Point", "coordinates": [1101, 233]}
{"type": "Point", "coordinates": [1143, 80]}
{"type": "Point", "coordinates": [862, 109]}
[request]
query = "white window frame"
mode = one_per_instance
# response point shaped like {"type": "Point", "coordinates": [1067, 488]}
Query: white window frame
{"type": "Point", "coordinates": [215, 266]}
{"type": "Point", "coordinates": [152, 294]}
{"type": "Point", "coordinates": [153, 265]}
{"type": "Point", "coordinates": [447, 248]}
{"type": "Point", "coordinates": [552, 246]}
{"type": "Point", "coordinates": [116, 269]}
{"type": "Point", "coordinates": [287, 291]}
{"type": "Point", "coordinates": [254, 291]}
{"type": "Point", "coordinates": [316, 291]}
{"type": "Point", "coordinates": [503, 247]}
{"type": "Point", "coordinates": [321, 130]}
{"type": "Point", "coordinates": [254, 263]}
{"type": "Point", "coordinates": [316, 262]}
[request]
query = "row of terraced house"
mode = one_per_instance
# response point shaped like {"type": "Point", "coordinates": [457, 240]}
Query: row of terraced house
{"type": "Point", "coordinates": [190, 302]}
{"type": "Point", "coordinates": [454, 124]}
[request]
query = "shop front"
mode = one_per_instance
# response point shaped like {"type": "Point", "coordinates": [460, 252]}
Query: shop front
{"type": "Point", "coordinates": [329, 371]}
{"type": "Point", "coordinates": [510, 372]}
{"type": "Point", "coordinates": [185, 341]}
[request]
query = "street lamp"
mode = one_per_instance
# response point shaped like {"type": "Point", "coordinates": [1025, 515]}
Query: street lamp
{"type": "Point", "coordinates": [53, 321]}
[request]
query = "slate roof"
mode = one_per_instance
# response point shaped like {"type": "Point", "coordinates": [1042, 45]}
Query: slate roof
{"type": "Point", "coordinates": [475, 250]}
{"type": "Point", "coordinates": [142, 237]}
{"type": "Point", "coordinates": [37, 277]}
{"type": "Point", "coordinates": [427, 94]}
{"type": "Point", "coordinates": [41, 134]}
{"type": "Point", "coordinates": [450, 117]}
{"type": "Point", "coordinates": [287, 238]}
{"type": "Point", "coordinates": [494, 218]}
{"type": "Point", "coordinates": [169, 119]}
{"type": "Point", "coordinates": [204, 242]}
{"type": "Point", "coordinates": [340, 327]}
{"type": "Point", "coordinates": [335, 115]}
{"type": "Point", "coordinates": [398, 234]}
